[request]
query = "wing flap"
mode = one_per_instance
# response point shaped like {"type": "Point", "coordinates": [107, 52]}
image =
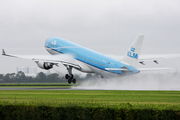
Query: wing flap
{"type": "Point", "coordinates": [117, 69]}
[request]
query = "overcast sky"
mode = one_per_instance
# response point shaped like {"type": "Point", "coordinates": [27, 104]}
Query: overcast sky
{"type": "Point", "coordinates": [107, 26]}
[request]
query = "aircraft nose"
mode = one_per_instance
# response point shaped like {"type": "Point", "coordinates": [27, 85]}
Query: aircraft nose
{"type": "Point", "coordinates": [47, 42]}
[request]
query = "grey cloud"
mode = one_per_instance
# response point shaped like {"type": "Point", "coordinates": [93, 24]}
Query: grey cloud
{"type": "Point", "coordinates": [94, 24]}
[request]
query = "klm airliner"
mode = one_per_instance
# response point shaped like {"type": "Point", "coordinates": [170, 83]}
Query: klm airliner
{"type": "Point", "coordinates": [75, 56]}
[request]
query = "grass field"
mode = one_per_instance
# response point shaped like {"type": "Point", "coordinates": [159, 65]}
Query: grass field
{"type": "Point", "coordinates": [89, 104]}
{"type": "Point", "coordinates": [170, 98]}
{"type": "Point", "coordinates": [110, 97]}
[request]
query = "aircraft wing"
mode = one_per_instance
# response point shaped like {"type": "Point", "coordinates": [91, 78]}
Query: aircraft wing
{"type": "Point", "coordinates": [117, 69]}
{"type": "Point", "coordinates": [56, 59]}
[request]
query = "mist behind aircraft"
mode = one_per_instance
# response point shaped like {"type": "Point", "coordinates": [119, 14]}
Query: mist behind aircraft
{"type": "Point", "coordinates": [143, 81]}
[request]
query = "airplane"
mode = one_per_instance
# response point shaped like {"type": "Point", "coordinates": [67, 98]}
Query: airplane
{"type": "Point", "coordinates": [75, 56]}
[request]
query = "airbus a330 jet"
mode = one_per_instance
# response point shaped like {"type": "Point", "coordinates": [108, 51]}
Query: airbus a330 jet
{"type": "Point", "coordinates": [74, 56]}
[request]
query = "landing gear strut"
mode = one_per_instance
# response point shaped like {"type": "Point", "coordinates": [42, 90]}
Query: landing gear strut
{"type": "Point", "coordinates": [70, 76]}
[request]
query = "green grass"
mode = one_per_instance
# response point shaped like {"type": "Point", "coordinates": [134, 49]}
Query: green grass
{"type": "Point", "coordinates": [170, 98]}
{"type": "Point", "coordinates": [92, 104]}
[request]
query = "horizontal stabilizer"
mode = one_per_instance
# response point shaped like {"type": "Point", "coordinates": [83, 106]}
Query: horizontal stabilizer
{"type": "Point", "coordinates": [156, 58]}
{"type": "Point", "coordinates": [153, 69]}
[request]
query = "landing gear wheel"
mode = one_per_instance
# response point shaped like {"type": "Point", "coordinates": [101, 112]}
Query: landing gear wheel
{"type": "Point", "coordinates": [69, 80]}
{"type": "Point", "coordinates": [71, 76]}
{"type": "Point", "coordinates": [74, 80]}
{"type": "Point", "coordinates": [67, 76]}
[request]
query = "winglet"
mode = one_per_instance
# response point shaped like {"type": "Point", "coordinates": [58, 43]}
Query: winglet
{"type": "Point", "coordinates": [3, 52]}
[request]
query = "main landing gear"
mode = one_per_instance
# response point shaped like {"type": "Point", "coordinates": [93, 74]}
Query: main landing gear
{"type": "Point", "coordinates": [70, 76]}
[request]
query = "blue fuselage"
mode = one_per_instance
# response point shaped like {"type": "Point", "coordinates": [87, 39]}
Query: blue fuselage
{"type": "Point", "coordinates": [87, 56]}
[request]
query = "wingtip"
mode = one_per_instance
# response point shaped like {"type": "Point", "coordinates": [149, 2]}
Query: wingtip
{"type": "Point", "coordinates": [3, 52]}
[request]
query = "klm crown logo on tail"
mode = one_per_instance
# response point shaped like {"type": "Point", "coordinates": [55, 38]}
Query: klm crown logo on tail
{"type": "Point", "coordinates": [132, 49]}
{"type": "Point", "coordinates": [132, 53]}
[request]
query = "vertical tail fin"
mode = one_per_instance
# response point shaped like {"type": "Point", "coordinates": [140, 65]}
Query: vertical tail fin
{"type": "Point", "coordinates": [132, 55]}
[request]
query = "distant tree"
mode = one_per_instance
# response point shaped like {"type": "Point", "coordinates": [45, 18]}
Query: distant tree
{"type": "Point", "coordinates": [41, 77]}
{"type": "Point", "coordinates": [89, 75]}
{"type": "Point", "coordinates": [1, 77]}
{"type": "Point", "coordinates": [7, 78]}
{"type": "Point", "coordinates": [77, 77]}
{"type": "Point", "coordinates": [53, 77]}
{"type": "Point", "coordinates": [20, 77]}
{"type": "Point", "coordinates": [12, 77]}
{"type": "Point", "coordinates": [30, 79]}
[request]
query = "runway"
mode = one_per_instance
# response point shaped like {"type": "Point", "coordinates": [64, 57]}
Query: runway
{"type": "Point", "coordinates": [30, 88]}
{"type": "Point", "coordinates": [11, 88]}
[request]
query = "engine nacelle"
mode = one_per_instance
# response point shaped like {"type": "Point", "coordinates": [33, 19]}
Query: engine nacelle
{"type": "Point", "coordinates": [44, 65]}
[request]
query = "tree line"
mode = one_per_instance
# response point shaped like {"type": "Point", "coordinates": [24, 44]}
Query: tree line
{"type": "Point", "coordinates": [20, 77]}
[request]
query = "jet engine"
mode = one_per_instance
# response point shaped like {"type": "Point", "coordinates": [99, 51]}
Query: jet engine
{"type": "Point", "coordinates": [45, 65]}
